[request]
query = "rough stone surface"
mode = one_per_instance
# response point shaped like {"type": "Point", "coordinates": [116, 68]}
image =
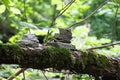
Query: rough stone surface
{"type": "Point", "coordinates": [62, 45]}
{"type": "Point", "coordinates": [64, 36]}
{"type": "Point", "coordinates": [29, 40]}
{"type": "Point", "coordinates": [62, 40]}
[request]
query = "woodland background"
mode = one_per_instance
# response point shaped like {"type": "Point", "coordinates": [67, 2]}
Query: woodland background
{"type": "Point", "coordinates": [101, 28]}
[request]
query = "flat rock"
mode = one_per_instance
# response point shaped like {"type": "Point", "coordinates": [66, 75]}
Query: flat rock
{"type": "Point", "coordinates": [62, 45]}
{"type": "Point", "coordinates": [29, 40]}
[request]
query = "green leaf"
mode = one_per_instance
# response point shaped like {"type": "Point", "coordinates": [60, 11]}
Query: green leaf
{"type": "Point", "coordinates": [116, 1]}
{"type": "Point", "coordinates": [2, 8]}
{"type": "Point", "coordinates": [6, 2]}
{"type": "Point", "coordinates": [15, 10]}
{"type": "Point", "coordinates": [55, 2]}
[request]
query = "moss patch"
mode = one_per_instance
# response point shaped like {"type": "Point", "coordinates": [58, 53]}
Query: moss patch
{"type": "Point", "coordinates": [59, 56]}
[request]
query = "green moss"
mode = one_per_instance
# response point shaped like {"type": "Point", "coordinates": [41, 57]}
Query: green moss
{"type": "Point", "coordinates": [92, 58]}
{"type": "Point", "coordinates": [103, 61]}
{"type": "Point", "coordinates": [55, 57]}
{"type": "Point", "coordinates": [119, 65]}
{"type": "Point", "coordinates": [8, 49]}
{"type": "Point", "coordinates": [99, 59]}
{"type": "Point", "coordinates": [60, 56]}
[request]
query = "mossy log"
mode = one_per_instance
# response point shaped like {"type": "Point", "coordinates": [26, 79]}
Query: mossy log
{"type": "Point", "coordinates": [80, 62]}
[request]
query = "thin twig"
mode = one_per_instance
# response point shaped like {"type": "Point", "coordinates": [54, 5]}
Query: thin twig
{"type": "Point", "coordinates": [61, 12]}
{"type": "Point", "coordinates": [60, 72]}
{"type": "Point", "coordinates": [88, 15]}
{"type": "Point", "coordinates": [56, 16]}
{"type": "Point", "coordinates": [44, 75]}
{"type": "Point", "coordinates": [23, 75]}
{"type": "Point", "coordinates": [99, 47]}
{"type": "Point", "coordinates": [16, 74]}
{"type": "Point", "coordinates": [64, 9]}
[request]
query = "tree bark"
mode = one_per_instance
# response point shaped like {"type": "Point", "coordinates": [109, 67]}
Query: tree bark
{"type": "Point", "coordinates": [78, 62]}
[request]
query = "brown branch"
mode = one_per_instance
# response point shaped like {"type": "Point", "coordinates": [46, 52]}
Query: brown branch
{"type": "Point", "coordinates": [99, 47]}
{"type": "Point", "coordinates": [44, 75]}
{"type": "Point", "coordinates": [65, 8]}
{"type": "Point", "coordinates": [86, 62]}
{"type": "Point", "coordinates": [17, 73]}
{"type": "Point", "coordinates": [88, 15]}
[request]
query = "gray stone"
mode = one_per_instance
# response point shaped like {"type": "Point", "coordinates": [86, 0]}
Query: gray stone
{"type": "Point", "coordinates": [64, 36]}
{"type": "Point", "coordinates": [29, 40]}
{"type": "Point", "coordinates": [62, 45]}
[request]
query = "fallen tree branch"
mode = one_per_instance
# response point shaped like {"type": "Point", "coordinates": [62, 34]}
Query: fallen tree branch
{"type": "Point", "coordinates": [103, 46]}
{"type": "Point", "coordinates": [79, 62]}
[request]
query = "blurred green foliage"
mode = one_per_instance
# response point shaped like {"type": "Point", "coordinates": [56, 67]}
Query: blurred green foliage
{"type": "Point", "coordinates": [17, 15]}
{"type": "Point", "coordinates": [42, 13]}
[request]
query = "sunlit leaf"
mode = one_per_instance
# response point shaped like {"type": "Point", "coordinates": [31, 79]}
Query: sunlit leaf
{"type": "Point", "coordinates": [67, 1]}
{"type": "Point", "coordinates": [6, 2]}
{"type": "Point", "coordinates": [28, 25]}
{"type": "Point", "coordinates": [2, 8]}
{"type": "Point", "coordinates": [55, 1]}
{"type": "Point", "coordinates": [15, 10]}
{"type": "Point", "coordinates": [1, 42]}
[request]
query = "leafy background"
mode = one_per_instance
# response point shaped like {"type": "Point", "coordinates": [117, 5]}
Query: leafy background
{"type": "Point", "coordinates": [102, 28]}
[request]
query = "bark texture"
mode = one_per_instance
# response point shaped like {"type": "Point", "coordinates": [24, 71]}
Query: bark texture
{"type": "Point", "coordinates": [80, 62]}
